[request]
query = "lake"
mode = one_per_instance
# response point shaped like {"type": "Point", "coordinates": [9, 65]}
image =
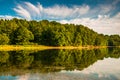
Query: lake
{"type": "Point", "coordinates": [96, 64]}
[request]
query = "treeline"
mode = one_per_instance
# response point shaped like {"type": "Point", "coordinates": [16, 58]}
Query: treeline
{"type": "Point", "coordinates": [23, 32]}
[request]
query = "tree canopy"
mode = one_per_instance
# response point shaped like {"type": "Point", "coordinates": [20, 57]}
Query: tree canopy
{"type": "Point", "coordinates": [51, 33]}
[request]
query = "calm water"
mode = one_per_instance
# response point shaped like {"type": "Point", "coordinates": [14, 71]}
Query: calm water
{"type": "Point", "coordinates": [99, 64]}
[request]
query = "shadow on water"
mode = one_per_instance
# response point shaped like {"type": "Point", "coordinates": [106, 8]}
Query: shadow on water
{"type": "Point", "coordinates": [21, 62]}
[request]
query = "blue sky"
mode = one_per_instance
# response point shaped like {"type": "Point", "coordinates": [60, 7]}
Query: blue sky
{"type": "Point", "coordinates": [103, 16]}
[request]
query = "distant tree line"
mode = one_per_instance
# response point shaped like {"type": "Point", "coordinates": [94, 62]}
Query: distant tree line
{"type": "Point", "coordinates": [51, 33]}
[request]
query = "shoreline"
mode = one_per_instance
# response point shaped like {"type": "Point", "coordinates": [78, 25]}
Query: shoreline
{"type": "Point", "coordinates": [42, 47]}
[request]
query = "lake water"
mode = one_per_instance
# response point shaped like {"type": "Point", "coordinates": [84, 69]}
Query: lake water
{"type": "Point", "coordinates": [98, 64]}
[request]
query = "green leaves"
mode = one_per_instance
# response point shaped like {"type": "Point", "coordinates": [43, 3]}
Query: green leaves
{"type": "Point", "coordinates": [23, 32]}
{"type": "Point", "coordinates": [114, 40]}
{"type": "Point", "coordinates": [4, 39]}
{"type": "Point", "coordinates": [22, 35]}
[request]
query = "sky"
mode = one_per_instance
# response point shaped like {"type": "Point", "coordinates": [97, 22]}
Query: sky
{"type": "Point", "coordinates": [103, 16]}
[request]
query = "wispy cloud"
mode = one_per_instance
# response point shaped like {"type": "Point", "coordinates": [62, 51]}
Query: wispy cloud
{"type": "Point", "coordinates": [28, 10]}
{"type": "Point", "coordinates": [64, 11]}
{"type": "Point", "coordinates": [22, 12]}
{"type": "Point", "coordinates": [33, 10]}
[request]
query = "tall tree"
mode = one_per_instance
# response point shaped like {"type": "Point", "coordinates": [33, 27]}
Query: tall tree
{"type": "Point", "coordinates": [23, 36]}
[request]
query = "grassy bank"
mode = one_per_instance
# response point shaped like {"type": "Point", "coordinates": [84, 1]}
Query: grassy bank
{"type": "Point", "coordinates": [42, 47]}
{"type": "Point", "coordinates": [22, 47]}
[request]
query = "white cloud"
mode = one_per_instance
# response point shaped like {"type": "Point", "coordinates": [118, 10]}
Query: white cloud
{"type": "Point", "coordinates": [82, 9]}
{"type": "Point", "coordinates": [103, 24]}
{"type": "Point", "coordinates": [28, 10]}
{"type": "Point", "coordinates": [60, 11]}
{"type": "Point", "coordinates": [101, 9]}
{"type": "Point", "coordinates": [32, 7]}
{"type": "Point", "coordinates": [64, 11]}
{"type": "Point", "coordinates": [8, 17]}
{"type": "Point", "coordinates": [31, 11]}
{"type": "Point", "coordinates": [22, 12]}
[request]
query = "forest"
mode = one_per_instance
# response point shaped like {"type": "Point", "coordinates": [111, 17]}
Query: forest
{"type": "Point", "coordinates": [51, 33]}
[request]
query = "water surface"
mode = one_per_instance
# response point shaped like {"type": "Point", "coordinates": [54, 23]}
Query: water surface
{"type": "Point", "coordinates": [97, 64]}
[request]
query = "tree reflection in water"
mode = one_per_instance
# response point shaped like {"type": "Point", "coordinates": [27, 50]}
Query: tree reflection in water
{"type": "Point", "coordinates": [21, 62]}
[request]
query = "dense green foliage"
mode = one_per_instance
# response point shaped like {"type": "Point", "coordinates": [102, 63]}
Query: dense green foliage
{"type": "Point", "coordinates": [4, 39]}
{"type": "Point", "coordinates": [17, 31]}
